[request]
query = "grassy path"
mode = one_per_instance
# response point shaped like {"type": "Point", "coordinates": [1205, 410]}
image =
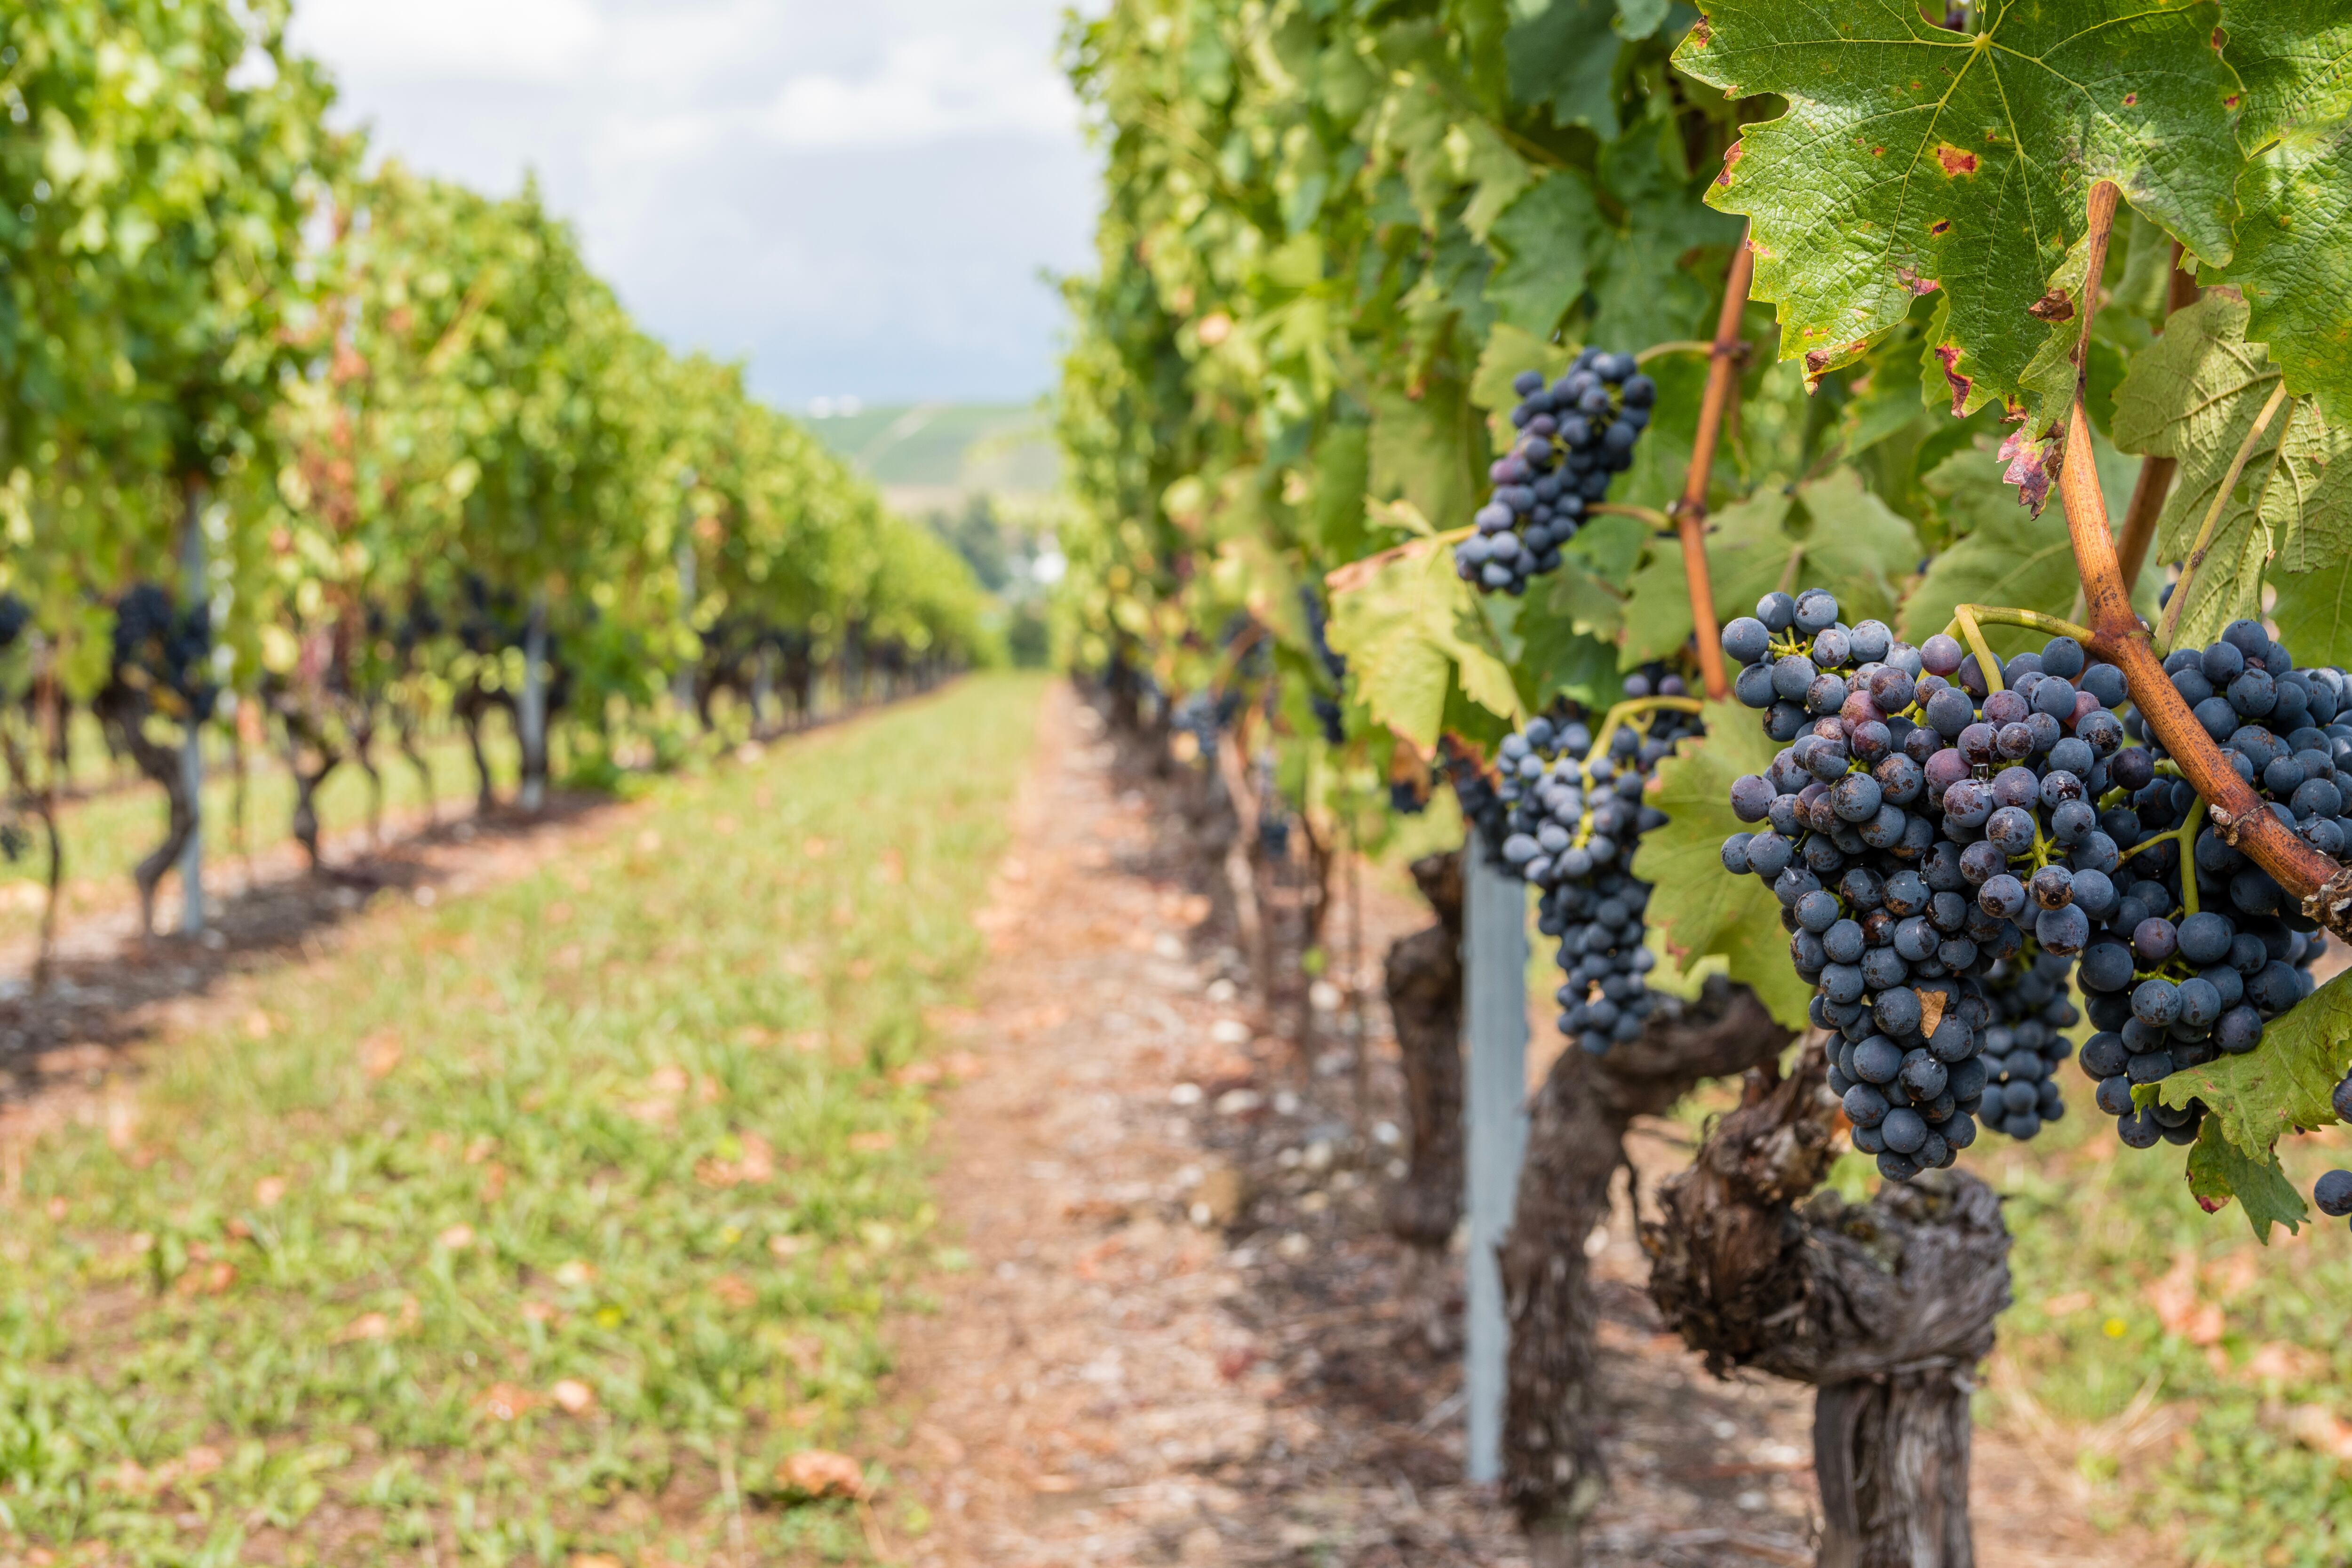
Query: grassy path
{"type": "Point", "coordinates": [539, 1227]}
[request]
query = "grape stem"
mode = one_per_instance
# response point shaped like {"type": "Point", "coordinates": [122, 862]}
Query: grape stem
{"type": "Point", "coordinates": [2321, 887]}
{"type": "Point", "coordinates": [1967, 619]}
{"type": "Point", "coordinates": [1690, 511]}
{"type": "Point", "coordinates": [1635, 711]}
{"type": "Point", "coordinates": [1682, 346]}
{"type": "Point", "coordinates": [2170, 625]}
{"type": "Point", "coordinates": [2186, 836]}
{"type": "Point", "coordinates": [1630, 709]}
{"type": "Point", "coordinates": [1657, 520]}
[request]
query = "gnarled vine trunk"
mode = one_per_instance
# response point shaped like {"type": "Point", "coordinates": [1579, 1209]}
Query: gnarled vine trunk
{"type": "Point", "coordinates": [1886, 1307]}
{"type": "Point", "coordinates": [1553, 1471]}
{"type": "Point", "coordinates": [1423, 982]}
{"type": "Point", "coordinates": [123, 712]}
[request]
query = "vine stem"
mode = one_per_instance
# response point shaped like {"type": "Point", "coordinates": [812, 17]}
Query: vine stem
{"type": "Point", "coordinates": [2170, 625]}
{"type": "Point", "coordinates": [1967, 619]}
{"type": "Point", "coordinates": [2323, 887]}
{"type": "Point", "coordinates": [1986, 666]}
{"type": "Point", "coordinates": [1681, 346]}
{"type": "Point", "coordinates": [1690, 513]}
{"type": "Point", "coordinates": [1633, 708]}
{"type": "Point", "coordinates": [1649, 514]}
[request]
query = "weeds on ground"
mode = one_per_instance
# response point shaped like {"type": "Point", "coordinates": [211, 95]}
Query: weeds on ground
{"type": "Point", "coordinates": [552, 1221]}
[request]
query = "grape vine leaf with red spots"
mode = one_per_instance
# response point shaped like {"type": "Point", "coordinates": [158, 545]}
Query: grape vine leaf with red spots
{"type": "Point", "coordinates": [1913, 158]}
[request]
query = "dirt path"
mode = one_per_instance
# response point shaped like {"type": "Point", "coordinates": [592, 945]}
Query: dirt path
{"type": "Point", "coordinates": [1182, 1337]}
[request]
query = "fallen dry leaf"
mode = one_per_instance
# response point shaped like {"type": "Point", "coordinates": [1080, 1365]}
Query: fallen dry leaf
{"type": "Point", "coordinates": [875, 1142]}
{"type": "Point", "coordinates": [2174, 1297]}
{"type": "Point", "coordinates": [784, 1248]}
{"type": "Point", "coordinates": [504, 1402]}
{"type": "Point", "coordinates": [732, 1290]}
{"type": "Point", "coordinates": [366, 1326]}
{"type": "Point", "coordinates": [2321, 1429]}
{"type": "Point", "coordinates": [820, 1473]}
{"type": "Point", "coordinates": [458, 1237]}
{"type": "Point", "coordinates": [205, 1279]}
{"type": "Point", "coordinates": [593, 1560]}
{"type": "Point", "coordinates": [257, 1025]}
{"type": "Point", "coordinates": [380, 1052]}
{"type": "Point", "coordinates": [574, 1273]}
{"type": "Point", "coordinates": [269, 1191]}
{"type": "Point", "coordinates": [572, 1397]}
{"type": "Point", "coordinates": [2069, 1302]}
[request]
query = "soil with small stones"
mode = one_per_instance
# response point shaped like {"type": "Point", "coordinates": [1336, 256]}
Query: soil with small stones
{"type": "Point", "coordinates": [1183, 1335]}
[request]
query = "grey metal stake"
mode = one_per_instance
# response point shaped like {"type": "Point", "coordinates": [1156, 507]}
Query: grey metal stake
{"type": "Point", "coordinates": [191, 748]}
{"type": "Point", "coordinates": [1495, 1106]}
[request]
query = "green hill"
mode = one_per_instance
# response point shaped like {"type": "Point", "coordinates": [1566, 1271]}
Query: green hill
{"type": "Point", "coordinates": [933, 457]}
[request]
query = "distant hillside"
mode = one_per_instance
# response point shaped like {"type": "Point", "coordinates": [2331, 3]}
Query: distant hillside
{"type": "Point", "coordinates": [933, 457]}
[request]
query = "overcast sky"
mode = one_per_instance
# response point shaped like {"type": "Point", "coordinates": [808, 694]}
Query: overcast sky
{"type": "Point", "coordinates": [856, 197]}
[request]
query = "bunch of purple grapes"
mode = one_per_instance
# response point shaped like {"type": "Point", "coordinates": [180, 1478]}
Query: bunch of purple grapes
{"type": "Point", "coordinates": [2202, 947]}
{"type": "Point", "coordinates": [1576, 435]}
{"type": "Point", "coordinates": [1933, 845]}
{"type": "Point", "coordinates": [1567, 815]}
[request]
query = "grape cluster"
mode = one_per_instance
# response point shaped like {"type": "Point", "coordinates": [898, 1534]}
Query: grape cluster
{"type": "Point", "coordinates": [1569, 812]}
{"type": "Point", "coordinates": [1937, 855]}
{"type": "Point", "coordinates": [1326, 706]}
{"type": "Point", "coordinates": [1575, 436]}
{"type": "Point", "coordinates": [2201, 948]}
{"type": "Point", "coordinates": [164, 651]}
{"type": "Point", "coordinates": [2022, 1046]}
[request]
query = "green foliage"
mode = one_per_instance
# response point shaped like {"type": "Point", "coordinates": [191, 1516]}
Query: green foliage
{"type": "Point", "coordinates": [1829, 532]}
{"type": "Point", "coordinates": [2195, 395]}
{"type": "Point", "coordinates": [2285, 1086]}
{"type": "Point", "coordinates": [1998, 554]}
{"type": "Point", "coordinates": [1913, 158]}
{"type": "Point", "coordinates": [2219, 1171]}
{"type": "Point", "coordinates": [1698, 907]}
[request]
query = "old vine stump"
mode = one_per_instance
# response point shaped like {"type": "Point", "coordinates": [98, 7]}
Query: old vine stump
{"type": "Point", "coordinates": [1552, 1471]}
{"type": "Point", "coordinates": [1885, 1308]}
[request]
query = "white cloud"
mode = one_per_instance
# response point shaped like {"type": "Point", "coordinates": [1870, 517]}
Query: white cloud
{"type": "Point", "coordinates": [503, 40]}
{"type": "Point", "coordinates": [925, 90]}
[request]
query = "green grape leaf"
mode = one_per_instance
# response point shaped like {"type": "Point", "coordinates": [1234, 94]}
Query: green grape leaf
{"type": "Point", "coordinates": [2219, 1171]}
{"type": "Point", "coordinates": [2294, 58]}
{"type": "Point", "coordinates": [1497, 176]}
{"type": "Point", "coordinates": [2002, 555]}
{"type": "Point", "coordinates": [1565, 58]}
{"type": "Point", "coordinates": [1511, 350]}
{"type": "Point", "coordinates": [1913, 158]}
{"type": "Point", "coordinates": [2313, 612]}
{"type": "Point", "coordinates": [1642, 291]}
{"type": "Point", "coordinates": [2193, 396]}
{"type": "Point", "coordinates": [2283, 1084]}
{"type": "Point", "coordinates": [1833, 533]}
{"type": "Point", "coordinates": [2294, 260]}
{"type": "Point", "coordinates": [1421, 449]}
{"type": "Point", "coordinates": [1642, 18]}
{"type": "Point", "coordinates": [1749, 553]}
{"type": "Point", "coordinates": [1699, 908]}
{"type": "Point", "coordinates": [1855, 546]}
{"type": "Point", "coordinates": [1543, 239]}
{"type": "Point", "coordinates": [1410, 628]}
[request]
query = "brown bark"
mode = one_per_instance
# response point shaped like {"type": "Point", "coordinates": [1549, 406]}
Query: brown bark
{"type": "Point", "coordinates": [1885, 1308]}
{"type": "Point", "coordinates": [1690, 513]}
{"type": "Point", "coordinates": [1423, 981]}
{"type": "Point", "coordinates": [123, 712]}
{"type": "Point", "coordinates": [2321, 887]}
{"type": "Point", "coordinates": [1552, 1463]}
